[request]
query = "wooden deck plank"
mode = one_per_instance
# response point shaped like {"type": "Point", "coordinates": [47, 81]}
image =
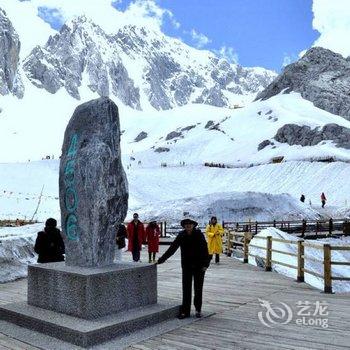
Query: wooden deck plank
{"type": "Point", "coordinates": [232, 291]}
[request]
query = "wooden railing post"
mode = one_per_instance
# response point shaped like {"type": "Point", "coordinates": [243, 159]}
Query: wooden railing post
{"type": "Point", "coordinates": [303, 228]}
{"type": "Point", "coordinates": [327, 257]}
{"type": "Point", "coordinates": [256, 227]}
{"type": "Point", "coordinates": [161, 229]}
{"type": "Point", "coordinates": [330, 226]}
{"type": "Point", "coordinates": [268, 266]}
{"type": "Point", "coordinates": [301, 262]}
{"type": "Point", "coordinates": [246, 247]}
{"type": "Point", "coordinates": [164, 228]}
{"type": "Point", "coordinates": [228, 244]}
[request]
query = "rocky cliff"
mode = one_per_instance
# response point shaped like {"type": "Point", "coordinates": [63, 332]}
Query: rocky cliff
{"type": "Point", "coordinates": [10, 81]}
{"type": "Point", "coordinates": [320, 76]}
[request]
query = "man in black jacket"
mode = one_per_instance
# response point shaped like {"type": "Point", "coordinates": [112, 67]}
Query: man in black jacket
{"type": "Point", "coordinates": [120, 237]}
{"type": "Point", "coordinates": [49, 244]}
{"type": "Point", "coordinates": [120, 241]}
{"type": "Point", "coordinates": [194, 262]}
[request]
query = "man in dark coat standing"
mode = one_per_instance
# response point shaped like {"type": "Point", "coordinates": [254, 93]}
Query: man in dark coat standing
{"type": "Point", "coordinates": [49, 244]}
{"type": "Point", "coordinates": [323, 199]}
{"type": "Point", "coordinates": [194, 261]}
{"type": "Point", "coordinates": [136, 235]}
{"type": "Point", "coordinates": [120, 241]}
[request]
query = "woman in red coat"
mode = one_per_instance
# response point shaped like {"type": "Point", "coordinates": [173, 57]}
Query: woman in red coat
{"type": "Point", "coordinates": [136, 235]}
{"type": "Point", "coordinates": [152, 237]}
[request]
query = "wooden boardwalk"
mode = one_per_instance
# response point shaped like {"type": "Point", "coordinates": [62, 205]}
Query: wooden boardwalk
{"type": "Point", "coordinates": [232, 292]}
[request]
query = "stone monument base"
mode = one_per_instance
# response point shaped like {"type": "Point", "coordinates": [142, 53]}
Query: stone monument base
{"type": "Point", "coordinates": [88, 306]}
{"type": "Point", "coordinates": [86, 333]}
{"type": "Point", "coordinates": [91, 292]}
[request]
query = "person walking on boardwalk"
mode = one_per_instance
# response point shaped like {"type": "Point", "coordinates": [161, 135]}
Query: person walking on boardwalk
{"type": "Point", "coordinates": [49, 244]}
{"type": "Point", "coordinates": [194, 262]}
{"type": "Point", "coordinates": [120, 241]}
{"type": "Point", "coordinates": [323, 199]}
{"type": "Point", "coordinates": [136, 235]}
{"type": "Point", "coordinates": [152, 238]}
{"type": "Point", "coordinates": [214, 233]}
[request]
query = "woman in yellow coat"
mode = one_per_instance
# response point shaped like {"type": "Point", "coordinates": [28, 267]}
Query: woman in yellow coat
{"type": "Point", "coordinates": [214, 233]}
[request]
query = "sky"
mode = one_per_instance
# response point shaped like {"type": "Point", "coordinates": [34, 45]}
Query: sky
{"type": "Point", "coordinates": [265, 33]}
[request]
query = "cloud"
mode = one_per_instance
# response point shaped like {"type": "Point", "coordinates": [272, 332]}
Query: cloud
{"type": "Point", "coordinates": [149, 14]}
{"type": "Point", "coordinates": [286, 60]}
{"type": "Point", "coordinates": [31, 29]}
{"type": "Point", "coordinates": [228, 53]}
{"type": "Point", "coordinates": [332, 21]}
{"type": "Point", "coordinates": [100, 11]}
{"type": "Point", "coordinates": [199, 39]}
{"type": "Point", "coordinates": [105, 13]}
{"type": "Point", "coordinates": [289, 58]}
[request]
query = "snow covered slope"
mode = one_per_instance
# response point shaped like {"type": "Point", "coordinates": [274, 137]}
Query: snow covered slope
{"type": "Point", "coordinates": [170, 191]}
{"type": "Point", "coordinates": [230, 206]}
{"type": "Point", "coordinates": [196, 134]}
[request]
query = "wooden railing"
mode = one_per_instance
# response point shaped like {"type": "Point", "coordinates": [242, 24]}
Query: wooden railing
{"type": "Point", "coordinates": [175, 229]}
{"type": "Point", "coordinates": [235, 239]}
{"type": "Point", "coordinates": [306, 228]}
{"type": "Point", "coordinates": [14, 223]}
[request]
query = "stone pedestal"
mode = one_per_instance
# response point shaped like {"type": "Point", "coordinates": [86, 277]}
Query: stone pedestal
{"type": "Point", "coordinates": [88, 306]}
{"type": "Point", "coordinates": [91, 292]}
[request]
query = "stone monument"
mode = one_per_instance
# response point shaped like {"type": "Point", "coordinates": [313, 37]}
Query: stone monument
{"type": "Point", "coordinates": [88, 299]}
{"type": "Point", "coordinates": [92, 183]}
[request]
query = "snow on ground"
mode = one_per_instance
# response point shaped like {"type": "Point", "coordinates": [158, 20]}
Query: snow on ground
{"type": "Point", "coordinates": [233, 206]}
{"type": "Point", "coordinates": [153, 189]}
{"type": "Point", "coordinates": [20, 188]}
{"type": "Point", "coordinates": [37, 123]}
{"type": "Point", "coordinates": [154, 185]}
{"type": "Point", "coordinates": [343, 212]}
{"type": "Point", "coordinates": [310, 252]}
{"type": "Point", "coordinates": [237, 136]}
{"type": "Point", "coordinates": [16, 250]}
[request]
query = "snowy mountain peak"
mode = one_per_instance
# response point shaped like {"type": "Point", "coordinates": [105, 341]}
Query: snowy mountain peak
{"type": "Point", "coordinates": [143, 68]}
